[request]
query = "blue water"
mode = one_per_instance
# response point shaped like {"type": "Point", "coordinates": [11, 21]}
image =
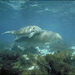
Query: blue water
{"type": "Point", "coordinates": [56, 16]}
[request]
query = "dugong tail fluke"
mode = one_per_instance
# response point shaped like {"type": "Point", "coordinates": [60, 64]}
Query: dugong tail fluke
{"type": "Point", "coordinates": [9, 32]}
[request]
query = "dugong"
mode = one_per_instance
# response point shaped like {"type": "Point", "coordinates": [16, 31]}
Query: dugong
{"type": "Point", "coordinates": [28, 31]}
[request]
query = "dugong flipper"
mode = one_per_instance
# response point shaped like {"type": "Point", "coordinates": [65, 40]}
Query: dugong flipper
{"type": "Point", "coordinates": [9, 32]}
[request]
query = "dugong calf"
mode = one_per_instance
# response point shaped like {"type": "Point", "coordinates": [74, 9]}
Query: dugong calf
{"type": "Point", "coordinates": [28, 31]}
{"type": "Point", "coordinates": [41, 39]}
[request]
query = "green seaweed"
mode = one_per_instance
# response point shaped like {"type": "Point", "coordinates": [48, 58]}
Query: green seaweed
{"type": "Point", "coordinates": [17, 62]}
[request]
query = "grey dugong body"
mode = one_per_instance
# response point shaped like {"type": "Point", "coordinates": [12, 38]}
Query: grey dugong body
{"type": "Point", "coordinates": [28, 31]}
{"type": "Point", "coordinates": [33, 36]}
{"type": "Point", "coordinates": [40, 39]}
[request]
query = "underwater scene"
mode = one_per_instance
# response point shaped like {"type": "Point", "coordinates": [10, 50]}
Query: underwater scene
{"type": "Point", "coordinates": [37, 37]}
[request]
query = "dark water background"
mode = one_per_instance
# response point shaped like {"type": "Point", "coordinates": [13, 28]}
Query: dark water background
{"type": "Point", "coordinates": [56, 16]}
